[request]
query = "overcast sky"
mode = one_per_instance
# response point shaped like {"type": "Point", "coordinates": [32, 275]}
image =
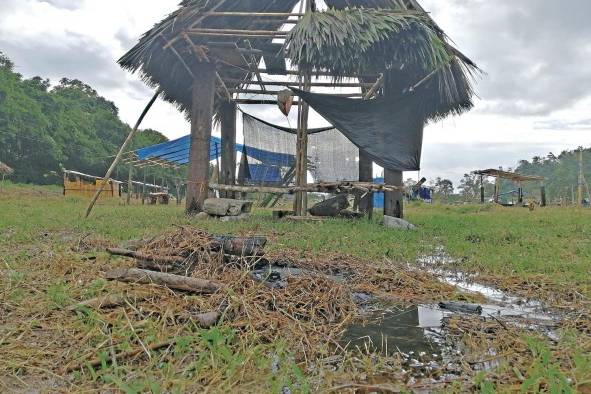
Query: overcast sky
{"type": "Point", "coordinates": [534, 99]}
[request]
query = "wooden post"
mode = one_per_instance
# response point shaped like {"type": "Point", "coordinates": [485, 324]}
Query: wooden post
{"type": "Point", "coordinates": [129, 185]}
{"type": "Point", "coordinates": [520, 194]}
{"type": "Point", "coordinates": [543, 194]}
{"type": "Point", "coordinates": [228, 164]}
{"type": "Point", "coordinates": [366, 175]}
{"type": "Point", "coordinates": [481, 189]}
{"type": "Point", "coordinates": [301, 200]}
{"type": "Point", "coordinates": [201, 116]}
{"type": "Point", "coordinates": [144, 188]}
{"type": "Point", "coordinates": [393, 201]}
{"type": "Point", "coordinates": [120, 153]}
{"type": "Point", "coordinates": [581, 180]}
{"type": "Point", "coordinates": [497, 189]}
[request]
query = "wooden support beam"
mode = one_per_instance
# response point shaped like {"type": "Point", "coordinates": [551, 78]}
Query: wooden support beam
{"type": "Point", "coordinates": [240, 35]}
{"type": "Point", "coordinates": [201, 124]}
{"type": "Point", "coordinates": [481, 189]}
{"type": "Point", "coordinates": [295, 84]}
{"type": "Point", "coordinates": [323, 187]}
{"type": "Point", "coordinates": [228, 129]}
{"type": "Point", "coordinates": [254, 14]}
{"type": "Point", "coordinates": [394, 201]}
{"type": "Point", "coordinates": [274, 93]}
{"type": "Point", "coordinates": [321, 74]}
{"type": "Point", "coordinates": [259, 102]}
{"type": "Point", "coordinates": [366, 175]}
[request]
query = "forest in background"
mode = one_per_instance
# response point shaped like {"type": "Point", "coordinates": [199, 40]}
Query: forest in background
{"type": "Point", "coordinates": [45, 128]}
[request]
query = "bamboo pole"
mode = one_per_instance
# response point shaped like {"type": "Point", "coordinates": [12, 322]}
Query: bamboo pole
{"type": "Point", "coordinates": [313, 187]}
{"type": "Point", "coordinates": [122, 150]}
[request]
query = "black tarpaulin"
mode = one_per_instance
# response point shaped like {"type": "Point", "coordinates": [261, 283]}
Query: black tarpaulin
{"type": "Point", "coordinates": [389, 130]}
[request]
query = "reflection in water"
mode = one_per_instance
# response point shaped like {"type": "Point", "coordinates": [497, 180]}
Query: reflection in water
{"type": "Point", "coordinates": [408, 330]}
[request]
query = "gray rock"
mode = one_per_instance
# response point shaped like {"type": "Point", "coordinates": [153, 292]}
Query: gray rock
{"type": "Point", "coordinates": [202, 216]}
{"type": "Point", "coordinates": [234, 218]}
{"type": "Point", "coordinates": [226, 206]}
{"type": "Point", "coordinates": [400, 224]}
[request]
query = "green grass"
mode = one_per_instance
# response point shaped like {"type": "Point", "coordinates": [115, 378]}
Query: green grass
{"type": "Point", "coordinates": [553, 242]}
{"type": "Point", "coordinates": [39, 227]}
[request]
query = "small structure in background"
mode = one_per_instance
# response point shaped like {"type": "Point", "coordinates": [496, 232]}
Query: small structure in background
{"type": "Point", "coordinates": [5, 171]}
{"type": "Point", "coordinates": [80, 184]}
{"type": "Point", "coordinates": [499, 175]}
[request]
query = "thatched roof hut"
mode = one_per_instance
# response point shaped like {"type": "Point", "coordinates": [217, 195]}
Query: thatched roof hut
{"type": "Point", "coordinates": [403, 42]}
{"type": "Point", "coordinates": [208, 52]}
{"type": "Point", "coordinates": [5, 170]}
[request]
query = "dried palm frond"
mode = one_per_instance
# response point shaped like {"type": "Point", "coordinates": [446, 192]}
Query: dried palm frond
{"type": "Point", "coordinates": [5, 170]}
{"type": "Point", "coordinates": [354, 41]}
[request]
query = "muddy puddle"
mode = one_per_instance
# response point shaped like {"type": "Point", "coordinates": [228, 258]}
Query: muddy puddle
{"type": "Point", "coordinates": [418, 332]}
{"type": "Point", "coordinates": [415, 329]}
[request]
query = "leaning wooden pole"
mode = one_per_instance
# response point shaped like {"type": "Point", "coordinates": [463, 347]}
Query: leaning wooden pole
{"type": "Point", "coordinates": [120, 153]}
{"type": "Point", "coordinates": [201, 123]}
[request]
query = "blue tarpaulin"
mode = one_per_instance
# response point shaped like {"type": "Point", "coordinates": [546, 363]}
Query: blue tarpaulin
{"type": "Point", "coordinates": [177, 152]}
{"type": "Point", "coordinates": [263, 173]}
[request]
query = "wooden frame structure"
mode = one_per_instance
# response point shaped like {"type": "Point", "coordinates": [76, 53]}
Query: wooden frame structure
{"type": "Point", "coordinates": [514, 177]}
{"type": "Point", "coordinates": [207, 65]}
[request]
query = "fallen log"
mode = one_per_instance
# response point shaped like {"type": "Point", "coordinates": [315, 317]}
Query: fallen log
{"type": "Point", "coordinates": [166, 268]}
{"type": "Point", "coordinates": [239, 246]}
{"type": "Point", "coordinates": [146, 257]}
{"type": "Point", "coordinates": [462, 307]}
{"type": "Point", "coordinates": [177, 282]}
{"type": "Point", "coordinates": [108, 301]}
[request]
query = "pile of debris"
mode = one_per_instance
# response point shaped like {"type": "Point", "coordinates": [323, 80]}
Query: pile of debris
{"type": "Point", "coordinates": [239, 285]}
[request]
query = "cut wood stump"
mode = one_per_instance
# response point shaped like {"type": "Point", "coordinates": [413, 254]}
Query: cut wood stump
{"type": "Point", "coordinates": [226, 207]}
{"type": "Point", "coordinates": [177, 282]}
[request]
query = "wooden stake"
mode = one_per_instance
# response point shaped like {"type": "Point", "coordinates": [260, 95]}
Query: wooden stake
{"type": "Point", "coordinates": [129, 185]}
{"type": "Point", "coordinates": [228, 128]}
{"type": "Point", "coordinates": [201, 116]}
{"type": "Point", "coordinates": [366, 175]}
{"type": "Point", "coordinates": [120, 153]}
{"type": "Point", "coordinates": [393, 201]}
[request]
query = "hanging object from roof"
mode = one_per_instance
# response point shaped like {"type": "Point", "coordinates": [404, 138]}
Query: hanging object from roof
{"type": "Point", "coordinates": [285, 101]}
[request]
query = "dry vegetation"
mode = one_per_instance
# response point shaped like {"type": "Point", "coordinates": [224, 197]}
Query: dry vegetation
{"type": "Point", "coordinates": [149, 338]}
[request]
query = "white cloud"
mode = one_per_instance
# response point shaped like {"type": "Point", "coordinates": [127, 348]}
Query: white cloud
{"type": "Point", "coordinates": [535, 98]}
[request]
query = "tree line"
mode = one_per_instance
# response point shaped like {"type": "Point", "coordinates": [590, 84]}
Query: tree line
{"type": "Point", "coordinates": [45, 128]}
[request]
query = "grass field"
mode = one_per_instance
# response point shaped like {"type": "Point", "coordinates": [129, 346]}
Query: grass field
{"type": "Point", "coordinates": [546, 253]}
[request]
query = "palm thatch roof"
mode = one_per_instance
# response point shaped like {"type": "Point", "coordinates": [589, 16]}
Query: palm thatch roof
{"type": "Point", "coordinates": [5, 170]}
{"type": "Point", "coordinates": [352, 38]}
{"type": "Point", "coordinates": [442, 77]}
{"type": "Point", "coordinates": [166, 53]}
